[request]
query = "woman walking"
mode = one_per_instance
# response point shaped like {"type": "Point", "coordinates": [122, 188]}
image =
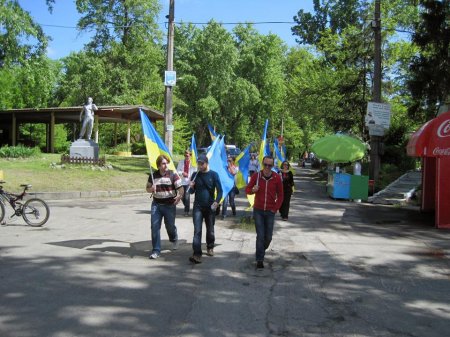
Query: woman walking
{"type": "Point", "coordinates": [288, 184]}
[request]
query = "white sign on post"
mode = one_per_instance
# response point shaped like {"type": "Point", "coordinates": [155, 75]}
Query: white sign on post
{"type": "Point", "coordinates": [378, 118]}
{"type": "Point", "coordinates": [378, 114]}
{"type": "Point", "coordinates": [170, 78]}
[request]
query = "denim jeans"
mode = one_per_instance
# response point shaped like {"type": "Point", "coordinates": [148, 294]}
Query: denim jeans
{"type": "Point", "coordinates": [229, 198]}
{"type": "Point", "coordinates": [186, 199]}
{"type": "Point", "coordinates": [264, 221]}
{"type": "Point", "coordinates": [200, 213]}
{"type": "Point", "coordinates": [160, 211]}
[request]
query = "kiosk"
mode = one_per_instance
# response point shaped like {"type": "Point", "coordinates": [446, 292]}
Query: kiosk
{"type": "Point", "coordinates": [432, 143]}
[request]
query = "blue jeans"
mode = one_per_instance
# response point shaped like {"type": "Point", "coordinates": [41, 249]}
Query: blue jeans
{"type": "Point", "coordinates": [264, 221]}
{"type": "Point", "coordinates": [200, 213]}
{"type": "Point", "coordinates": [160, 211]}
{"type": "Point", "coordinates": [229, 198]}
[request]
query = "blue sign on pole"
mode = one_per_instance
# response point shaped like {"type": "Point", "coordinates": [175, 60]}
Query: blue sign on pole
{"type": "Point", "coordinates": [170, 78]}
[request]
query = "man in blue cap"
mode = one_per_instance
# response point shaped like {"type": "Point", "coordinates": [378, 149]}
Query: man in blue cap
{"type": "Point", "coordinates": [204, 184]}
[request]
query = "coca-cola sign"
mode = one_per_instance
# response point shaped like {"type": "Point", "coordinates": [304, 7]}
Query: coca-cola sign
{"type": "Point", "coordinates": [441, 152]}
{"type": "Point", "coordinates": [444, 129]}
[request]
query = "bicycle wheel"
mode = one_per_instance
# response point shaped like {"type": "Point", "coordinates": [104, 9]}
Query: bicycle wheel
{"type": "Point", "coordinates": [2, 212]}
{"type": "Point", "coordinates": [35, 212]}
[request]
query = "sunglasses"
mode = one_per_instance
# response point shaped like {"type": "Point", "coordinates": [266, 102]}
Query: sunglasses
{"type": "Point", "coordinates": [267, 165]}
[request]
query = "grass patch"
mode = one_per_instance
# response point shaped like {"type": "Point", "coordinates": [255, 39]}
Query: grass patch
{"type": "Point", "coordinates": [127, 174]}
{"type": "Point", "coordinates": [246, 223]}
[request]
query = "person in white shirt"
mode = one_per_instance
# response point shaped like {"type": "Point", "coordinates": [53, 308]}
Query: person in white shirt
{"type": "Point", "coordinates": [185, 170]}
{"type": "Point", "coordinates": [253, 165]}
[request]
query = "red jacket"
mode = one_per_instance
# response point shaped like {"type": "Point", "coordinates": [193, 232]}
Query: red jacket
{"type": "Point", "coordinates": [270, 193]}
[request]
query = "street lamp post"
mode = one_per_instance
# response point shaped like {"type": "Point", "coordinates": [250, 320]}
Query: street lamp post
{"type": "Point", "coordinates": [168, 110]}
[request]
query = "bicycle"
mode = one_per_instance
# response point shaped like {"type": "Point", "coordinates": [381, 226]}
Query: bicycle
{"type": "Point", "coordinates": [34, 211]}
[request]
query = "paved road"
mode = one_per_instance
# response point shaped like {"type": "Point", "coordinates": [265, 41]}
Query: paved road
{"type": "Point", "coordinates": [336, 268]}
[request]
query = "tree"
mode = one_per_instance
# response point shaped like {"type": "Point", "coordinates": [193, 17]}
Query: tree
{"type": "Point", "coordinates": [18, 31]}
{"type": "Point", "coordinates": [430, 69]}
{"type": "Point", "coordinates": [129, 22]}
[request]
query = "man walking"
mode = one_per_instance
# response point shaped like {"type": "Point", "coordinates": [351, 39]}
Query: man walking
{"type": "Point", "coordinates": [185, 170]}
{"type": "Point", "coordinates": [204, 184]}
{"type": "Point", "coordinates": [268, 189]}
{"type": "Point", "coordinates": [167, 193]}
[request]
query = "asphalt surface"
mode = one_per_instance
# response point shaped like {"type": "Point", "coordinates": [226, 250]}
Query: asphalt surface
{"type": "Point", "coordinates": [336, 268]}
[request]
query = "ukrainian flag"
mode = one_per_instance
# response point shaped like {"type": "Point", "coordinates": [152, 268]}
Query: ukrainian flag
{"type": "Point", "coordinates": [279, 156]}
{"type": "Point", "coordinates": [212, 133]}
{"type": "Point", "coordinates": [218, 162]}
{"type": "Point", "coordinates": [263, 151]}
{"type": "Point", "coordinates": [154, 144]}
{"type": "Point", "coordinates": [243, 160]}
{"type": "Point", "coordinates": [193, 152]}
{"type": "Point", "coordinates": [283, 150]}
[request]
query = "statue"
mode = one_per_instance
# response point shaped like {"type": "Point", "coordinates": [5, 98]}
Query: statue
{"type": "Point", "coordinates": [88, 121]}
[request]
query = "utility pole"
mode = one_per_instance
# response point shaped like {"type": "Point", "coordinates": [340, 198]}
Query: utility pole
{"type": "Point", "coordinates": [375, 141]}
{"type": "Point", "coordinates": [168, 111]}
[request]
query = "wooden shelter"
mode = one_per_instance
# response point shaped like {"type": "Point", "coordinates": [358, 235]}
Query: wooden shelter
{"type": "Point", "coordinates": [11, 119]}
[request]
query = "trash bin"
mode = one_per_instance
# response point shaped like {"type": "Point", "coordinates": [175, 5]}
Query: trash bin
{"type": "Point", "coordinates": [359, 187]}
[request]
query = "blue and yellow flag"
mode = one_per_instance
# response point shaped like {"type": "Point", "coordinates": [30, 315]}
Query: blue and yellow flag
{"type": "Point", "coordinates": [154, 144]}
{"type": "Point", "coordinates": [212, 133]}
{"type": "Point", "coordinates": [283, 150]}
{"type": "Point", "coordinates": [263, 147]}
{"type": "Point", "coordinates": [193, 152]}
{"type": "Point", "coordinates": [278, 155]}
{"type": "Point", "coordinates": [243, 160]}
{"type": "Point", "coordinates": [218, 162]}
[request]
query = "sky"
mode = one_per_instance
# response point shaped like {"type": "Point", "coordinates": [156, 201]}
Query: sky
{"type": "Point", "coordinates": [60, 25]}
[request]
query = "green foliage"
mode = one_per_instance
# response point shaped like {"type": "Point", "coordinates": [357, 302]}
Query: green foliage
{"type": "Point", "coordinates": [130, 23]}
{"type": "Point", "coordinates": [430, 69]}
{"type": "Point", "coordinates": [17, 28]}
{"type": "Point", "coordinates": [19, 151]}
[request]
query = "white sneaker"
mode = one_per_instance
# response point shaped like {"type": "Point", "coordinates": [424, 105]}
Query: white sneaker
{"type": "Point", "coordinates": [154, 256]}
{"type": "Point", "coordinates": [175, 245]}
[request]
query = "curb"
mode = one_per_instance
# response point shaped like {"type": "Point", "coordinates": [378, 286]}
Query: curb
{"type": "Point", "coordinates": [85, 194]}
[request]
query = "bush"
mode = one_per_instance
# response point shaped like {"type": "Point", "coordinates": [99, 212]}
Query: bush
{"type": "Point", "coordinates": [122, 147]}
{"type": "Point", "coordinates": [19, 151]}
{"type": "Point", "coordinates": [138, 148]}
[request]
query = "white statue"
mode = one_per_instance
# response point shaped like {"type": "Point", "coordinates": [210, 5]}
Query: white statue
{"type": "Point", "coordinates": [88, 121]}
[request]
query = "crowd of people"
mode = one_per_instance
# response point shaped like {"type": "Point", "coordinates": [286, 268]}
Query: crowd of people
{"type": "Point", "coordinates": [272, 189]}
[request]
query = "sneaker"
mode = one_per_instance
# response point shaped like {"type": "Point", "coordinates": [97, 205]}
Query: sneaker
{"type": "Point", "coordinates": [223, 217]}
{"type": "Point", "coordinates": [186, 213]}
{"type": "Point", "coordinates": [210, 252]}
{"type": "Point", "coordinates": [284, 219]}
{"type": "Point", "coordinates": [154, 256]}
{"type": "Point", "coordinates": [234, 212]}
{"type": "Point", "coordinates": [195, 259]}
{"type": "Point", "coordinates": [259, 265]}
{"type": "Point", "coordinates": [175, 245]}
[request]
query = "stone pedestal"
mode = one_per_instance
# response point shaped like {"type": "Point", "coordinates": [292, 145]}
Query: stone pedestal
{"type": "Point", "coordinates": [82, 148]}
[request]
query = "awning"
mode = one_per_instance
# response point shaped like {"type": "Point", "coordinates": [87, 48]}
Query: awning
{"type": "Point", "coordinates": [432, 139]}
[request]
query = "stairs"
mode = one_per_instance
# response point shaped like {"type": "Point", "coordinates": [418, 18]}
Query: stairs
{"type": "Point", "coordinates": [399, 191]}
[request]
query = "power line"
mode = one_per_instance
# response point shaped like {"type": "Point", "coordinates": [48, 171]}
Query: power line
{"type": "Point", "coordinates": [187, 22]}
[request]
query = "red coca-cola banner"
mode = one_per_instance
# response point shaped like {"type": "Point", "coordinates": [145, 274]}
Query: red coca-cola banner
{"type": "Point", "coordinates": [432, 139]}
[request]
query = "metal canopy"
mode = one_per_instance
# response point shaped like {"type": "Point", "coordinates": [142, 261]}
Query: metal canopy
{"type": "Point", "coordinates": [117, 113]}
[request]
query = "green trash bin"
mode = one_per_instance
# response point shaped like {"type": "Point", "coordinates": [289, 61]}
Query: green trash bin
{"type": "Point", "coordinates": [359, 187]}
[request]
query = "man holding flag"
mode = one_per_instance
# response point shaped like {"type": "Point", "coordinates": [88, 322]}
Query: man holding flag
{"type": "Point", "coordinates": [167, 193]}
{"type": "Point", "coordinates": [204, 183]}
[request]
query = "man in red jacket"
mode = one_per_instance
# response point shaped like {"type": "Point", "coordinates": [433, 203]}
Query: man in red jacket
{"type": "Point", "coordinates": [268, 189]}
